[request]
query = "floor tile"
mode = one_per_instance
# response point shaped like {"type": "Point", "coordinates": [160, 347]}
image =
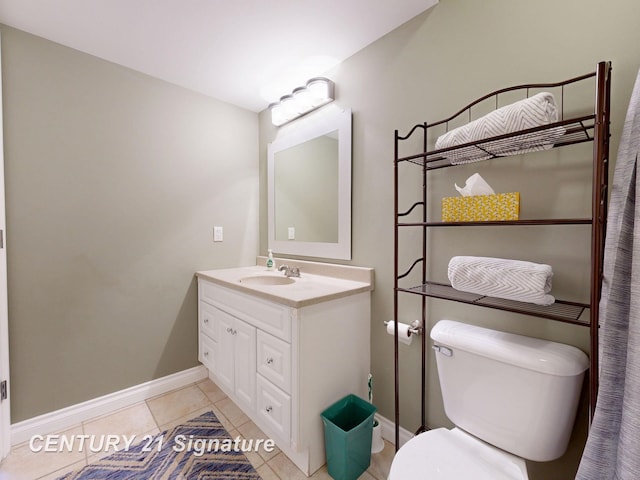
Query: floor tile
{"type": "Point", "coordinates": [266, 473]}
{"type": "Point", "coordinates": [381, 462]}
{"type": "Point", "coordinates": [187, 417]}
{"type": "Point", "coordinates": [253, 456]}
{"type": "Point", "coordinates": [226, 423]}
{"type": "Point", "coordinates": [285, 468]}
{"type": "Point", "coordinates": [322, 474]}
{"type": "Point", "coordinates": [165, 412]}
{"type": "Point", "coordinates": [232, 412]}
{"type": "Point", "coordinates": [367, 476]}
{"type": "Point", "coordinates": [68, 469]}
{"type": "Point", "coordinates": [211, 390]}
{"type": "Point", "coordinates": [130, 425]}
{"type": "Point", "coordinates": [252, 431]}
{"type": "Point", "coordinates": [25, 464]}
{"type": "Point", "coordinates": [177, 404]}
{"type": "Point", "coordinates": [130, 422]}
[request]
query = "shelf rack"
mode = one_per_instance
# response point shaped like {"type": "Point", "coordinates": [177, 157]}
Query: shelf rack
{"type": "Point", "coordinates": [590, 127]}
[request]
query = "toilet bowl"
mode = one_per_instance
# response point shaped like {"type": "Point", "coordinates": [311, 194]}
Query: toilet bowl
{"type": "Point", "coordinates": [510, 398]}
{"type": "Point", "coordinates": [443, 454]}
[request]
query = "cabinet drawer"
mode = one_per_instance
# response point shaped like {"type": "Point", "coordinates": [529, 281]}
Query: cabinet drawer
{"type": "Point", "coordinates": [268, 316]}
{"type": "Point", "coordinates": [207, 351]}
{"type": "Point", "coordinates": [274, 360]}
{"type": "Point", "coordinates": [274, 408]}
{"type": "Point", "coordinates": [207, 319]}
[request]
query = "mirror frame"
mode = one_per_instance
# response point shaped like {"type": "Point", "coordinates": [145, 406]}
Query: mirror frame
{"type": "Point", "coordinates": [320, 123]}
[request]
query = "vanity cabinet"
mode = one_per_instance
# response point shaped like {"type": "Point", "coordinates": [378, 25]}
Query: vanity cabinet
{"type": "Point", "coordinates": [282, 364]}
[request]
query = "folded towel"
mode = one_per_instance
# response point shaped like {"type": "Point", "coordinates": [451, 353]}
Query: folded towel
{"type": "Point", "coordinates": [502, 278]}
{"type": "Point", "coordinates": [531, 112]}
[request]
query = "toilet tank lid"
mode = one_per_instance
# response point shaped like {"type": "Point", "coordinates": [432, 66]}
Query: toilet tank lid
{"type": "Point", "coordinates": [543, 356]}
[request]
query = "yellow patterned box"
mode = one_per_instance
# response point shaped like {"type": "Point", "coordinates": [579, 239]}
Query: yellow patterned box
{"type": "Point", "coordinates": [481, 208]}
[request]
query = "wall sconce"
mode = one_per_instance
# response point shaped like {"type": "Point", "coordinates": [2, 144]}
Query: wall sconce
{"type": "Point", "coordinates": [317, 92]}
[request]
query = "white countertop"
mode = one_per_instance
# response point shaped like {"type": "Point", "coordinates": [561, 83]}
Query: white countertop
{"type": "Point", "coordinates": [318, 282]}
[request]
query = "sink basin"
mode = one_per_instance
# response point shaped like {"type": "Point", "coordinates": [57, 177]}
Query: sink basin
{"type": "Point", "coordinates": [266, 280]}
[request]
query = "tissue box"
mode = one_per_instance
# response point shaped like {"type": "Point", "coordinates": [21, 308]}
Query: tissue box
{"type": "Point", "coordinates": [481, 208]}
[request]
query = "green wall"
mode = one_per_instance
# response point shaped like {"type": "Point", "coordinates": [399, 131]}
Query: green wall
{"type": "Point", "coordinates": [426, 70]}
{"type": "Point", "coordinates": [114, 181]}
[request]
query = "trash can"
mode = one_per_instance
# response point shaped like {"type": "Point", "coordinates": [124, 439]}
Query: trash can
{"type": "Point", "coordinates": [348, 426]}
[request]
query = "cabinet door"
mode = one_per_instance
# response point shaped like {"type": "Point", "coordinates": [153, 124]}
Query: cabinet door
{"type": "Point", "coordinates": [224, 354]}
{"type": "Point", "coordinates": [245, 363]}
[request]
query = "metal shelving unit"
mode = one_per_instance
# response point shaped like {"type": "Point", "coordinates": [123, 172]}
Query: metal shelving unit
{"type": "Point", "coordinates": [591, 127]}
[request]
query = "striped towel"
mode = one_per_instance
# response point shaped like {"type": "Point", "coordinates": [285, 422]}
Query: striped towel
{"type": "Point", "coordinates": [502, 278]}
{"type": "Point", "coordinates": [531, 112]}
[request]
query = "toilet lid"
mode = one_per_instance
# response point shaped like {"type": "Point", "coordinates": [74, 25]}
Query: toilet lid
{"type": "Point", "coordinates": [443, 454]}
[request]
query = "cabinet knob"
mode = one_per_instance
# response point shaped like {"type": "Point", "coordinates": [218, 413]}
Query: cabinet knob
{"type": "Point", "coordinates": [206, 354]}
{"type": "Point", "coordinates": [269, 361]}
{"type": "Point", "coordinates": [268, 409]}
{"type": "Point", "coordinates": [206, 320]}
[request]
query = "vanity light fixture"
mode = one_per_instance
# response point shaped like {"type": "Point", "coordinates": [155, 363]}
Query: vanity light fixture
{"type": "Point", "coordinates": [317, 92]}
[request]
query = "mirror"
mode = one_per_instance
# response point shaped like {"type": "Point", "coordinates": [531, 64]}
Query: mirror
{"type": "Point", "coordinates": [309, 186]}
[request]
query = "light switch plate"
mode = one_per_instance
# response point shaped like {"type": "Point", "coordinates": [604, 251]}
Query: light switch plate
{"type": "Point", "coordinates": [217, 234]}
{"type": "Point", "coordinates": [291, 233]}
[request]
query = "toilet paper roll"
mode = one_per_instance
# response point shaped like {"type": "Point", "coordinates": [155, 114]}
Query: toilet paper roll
{"type": "Point", "coordinates": [404, 335]}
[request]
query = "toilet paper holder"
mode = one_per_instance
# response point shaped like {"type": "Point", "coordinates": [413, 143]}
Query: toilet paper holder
{"type": "Point", "coordinates": [415, 329]}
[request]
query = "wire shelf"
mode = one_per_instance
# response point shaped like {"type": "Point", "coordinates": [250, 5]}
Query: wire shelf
{"type": "Point", "coordinates": [563, 311]}
{"type": "Point", "coordinates": [567, 132]}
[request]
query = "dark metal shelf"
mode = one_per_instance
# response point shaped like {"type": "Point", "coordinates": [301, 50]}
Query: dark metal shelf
{"type": "Point", "coordinates": [545, 221]}
{"type": "Point", "coordinates": [563, 311]}
{"type": "Point", "coordinates": [577, 130]}
{"type": "Point", "coordinates": [575, 126]}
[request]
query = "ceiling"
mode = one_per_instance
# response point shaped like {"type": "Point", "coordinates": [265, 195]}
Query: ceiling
{"type": "Point", "coordinates": [245, 52]}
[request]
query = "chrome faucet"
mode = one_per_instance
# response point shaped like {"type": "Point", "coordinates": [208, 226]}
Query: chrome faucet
{"type": "Point", "coordinates": [289, 271]}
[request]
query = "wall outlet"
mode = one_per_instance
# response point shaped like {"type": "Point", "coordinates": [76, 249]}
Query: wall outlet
{"type": "Point", "coordinates": [291, 232]}
{"type": "Point", "coordinates": [217, 234]}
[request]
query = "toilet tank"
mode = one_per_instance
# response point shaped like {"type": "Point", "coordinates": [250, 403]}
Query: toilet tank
{"type": "Point", "coordinates": [517, 393]}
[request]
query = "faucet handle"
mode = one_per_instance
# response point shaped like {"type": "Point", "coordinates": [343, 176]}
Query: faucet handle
{"type": "Point", "coordinates": [289, 271]}
{"type": "Point", "coordinates": [294, 272]}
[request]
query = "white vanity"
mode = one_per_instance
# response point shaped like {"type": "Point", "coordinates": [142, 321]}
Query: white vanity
{"type": "Point", "coordinates": [285, 349]}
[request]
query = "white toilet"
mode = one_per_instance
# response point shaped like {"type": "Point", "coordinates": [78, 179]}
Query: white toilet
{"type": "Point", "coordinates": [511, 398]}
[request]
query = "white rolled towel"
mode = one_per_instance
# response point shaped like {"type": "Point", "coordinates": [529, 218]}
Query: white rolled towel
{"type": "Point", "coordinates": [535, 111]}
{"type": "Point", "coordinates": [502, 278]}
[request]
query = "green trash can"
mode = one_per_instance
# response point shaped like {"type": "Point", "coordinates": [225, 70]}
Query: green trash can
{"type": "Point", "coordinates": [348, 426]}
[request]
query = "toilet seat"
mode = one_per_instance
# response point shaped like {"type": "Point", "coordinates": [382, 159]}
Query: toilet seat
{"type": "Point", "coordinates": [443, 454]}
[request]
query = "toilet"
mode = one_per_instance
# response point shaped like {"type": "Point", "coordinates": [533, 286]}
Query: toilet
{"type": "Point", "coordinates": [510, 398]}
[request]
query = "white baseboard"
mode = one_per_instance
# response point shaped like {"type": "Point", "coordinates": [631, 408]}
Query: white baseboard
{"type": "Point", "coordinates": [389, 431]}
{"type": "Point", "coordinates": [69, 416]}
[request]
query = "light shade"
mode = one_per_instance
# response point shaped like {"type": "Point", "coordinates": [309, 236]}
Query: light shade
{"type": "Point", "coordinates": [277, 114]}
{"type": "Point", "coordinates": [321, 90]}
{"type": "Point", "coordinates": [303, 98]}
{"type": "Point", "coordinates": [317, 92]}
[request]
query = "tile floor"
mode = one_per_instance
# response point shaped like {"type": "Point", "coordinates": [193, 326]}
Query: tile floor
{"type": "Point", "coordinates": [158, 414]}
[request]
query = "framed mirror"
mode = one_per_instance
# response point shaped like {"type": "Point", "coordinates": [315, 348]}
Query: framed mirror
{"type": "Point", "coordinates": [309, 186]}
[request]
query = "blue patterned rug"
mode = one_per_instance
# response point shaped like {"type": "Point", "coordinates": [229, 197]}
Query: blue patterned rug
{"type": "Point", "coordinates": [200, 449]}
